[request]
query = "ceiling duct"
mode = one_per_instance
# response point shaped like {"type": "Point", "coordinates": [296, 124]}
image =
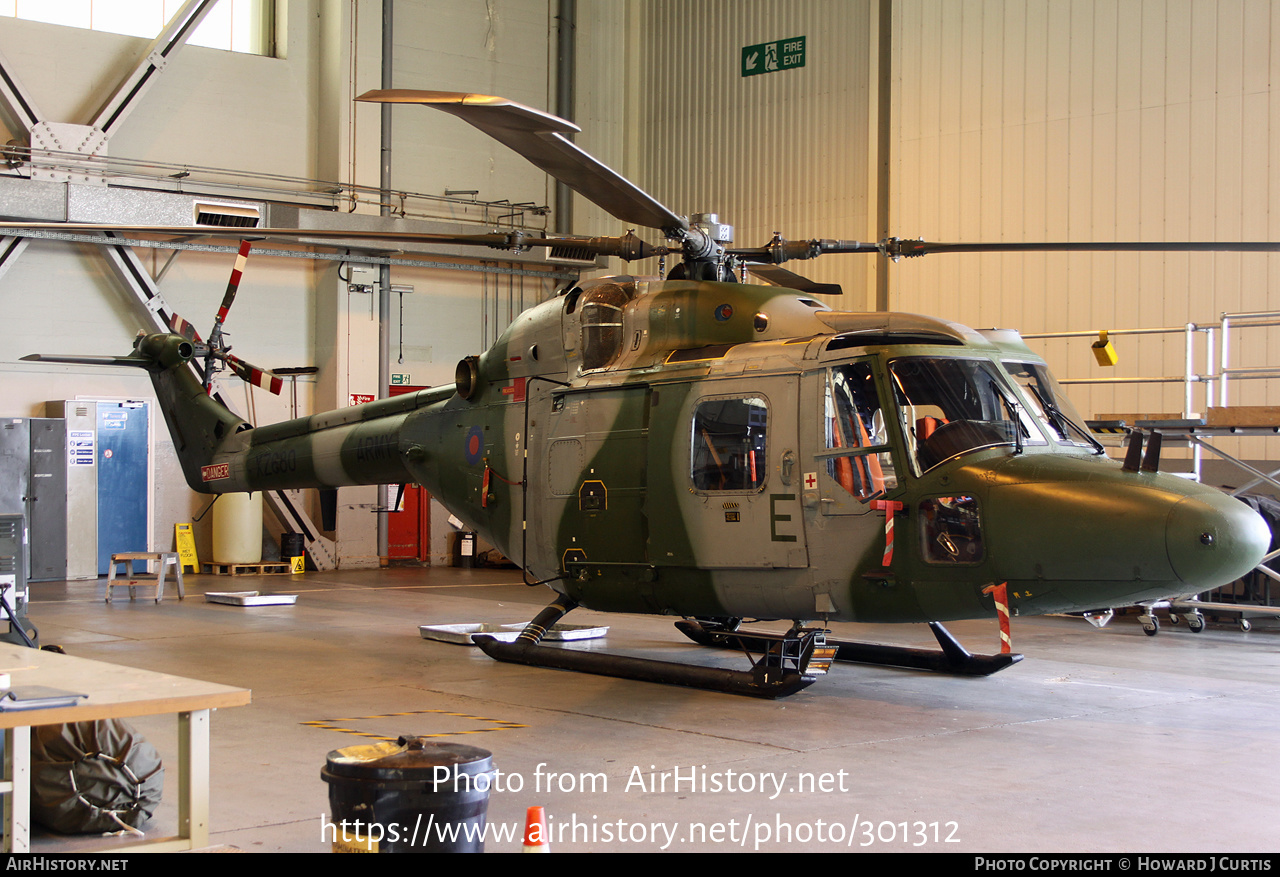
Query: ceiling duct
{"type": "Point", "coordinates": [227, 215]}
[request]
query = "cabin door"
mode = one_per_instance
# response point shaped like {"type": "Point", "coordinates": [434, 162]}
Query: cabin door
{"type": "Point", "coordinates": [741, 474]}
{"type": "Point", "coordinates": [595, 476]}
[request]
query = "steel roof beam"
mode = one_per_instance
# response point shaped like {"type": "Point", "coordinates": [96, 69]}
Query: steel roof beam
{"type": "Point", "coordinates": [19, 105]}
{"type": "Point", "coordinates": [10, 249]}
{"type": "Point", "coordinates": [153, 63]}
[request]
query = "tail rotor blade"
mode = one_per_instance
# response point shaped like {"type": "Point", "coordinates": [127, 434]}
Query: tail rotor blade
{"type": "Point", "coordinates": [230, 295]}
{"type": "Point", "coordinates": [183, 328]}
{"type": "Point", "coordinates": [251, 374]}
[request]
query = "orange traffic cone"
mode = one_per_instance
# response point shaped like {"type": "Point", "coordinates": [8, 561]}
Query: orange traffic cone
{"type": "Point", "coordinates": [535, 831]}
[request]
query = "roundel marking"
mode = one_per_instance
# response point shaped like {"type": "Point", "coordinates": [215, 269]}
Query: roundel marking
{"type": "Point", "coordinates": [724, 312]}
{"type": "Point", "coordinates": [475, 444]}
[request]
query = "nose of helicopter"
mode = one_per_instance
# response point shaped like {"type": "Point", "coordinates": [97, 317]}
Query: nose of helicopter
{"type": "Point", "coordinates": [1115, 538]}
{"type": "Point", "coordinates": [1214, 538]}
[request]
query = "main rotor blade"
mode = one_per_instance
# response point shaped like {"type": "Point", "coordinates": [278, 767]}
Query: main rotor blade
{"type": "Point", "coordinates": [778, 250]}
{"type": "Point", "coordinates": [782, 277]}
{"type": "Point", "coordinates": [539, 137]}
{"type": "Point", "coordinates": [88, 360]}
{"type": "Point", "coordinates": [497, 240]}
{"type": "Point", "coordinates": [627, 246]}
{"type": "Point", "coordinates": [895, 248]}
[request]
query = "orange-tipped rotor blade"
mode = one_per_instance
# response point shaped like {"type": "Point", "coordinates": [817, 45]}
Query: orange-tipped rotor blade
{"type": "Point", "coordinates": [253, 375]}
{"type": "Point", "coordinates": [183, 328]}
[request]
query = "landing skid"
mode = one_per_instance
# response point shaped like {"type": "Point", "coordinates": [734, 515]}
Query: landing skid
{"type": "Point", "coordinates": [954, 658]}
{"type": "Point", "coordinates": [782, 664]}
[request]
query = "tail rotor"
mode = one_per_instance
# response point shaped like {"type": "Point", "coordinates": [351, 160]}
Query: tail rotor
{"type": "Point", "coordinates": [215, 351]}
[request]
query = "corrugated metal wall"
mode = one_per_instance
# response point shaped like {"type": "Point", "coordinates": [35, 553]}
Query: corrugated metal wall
{"type": "Point", "coordinates": [785, 151]}
{"type": "Point", "coordinates": [1013, 120]}
{"type": "Point", "coordinates": [603, 93]}
{"type": "Point", "coordinates": [1090, 120]}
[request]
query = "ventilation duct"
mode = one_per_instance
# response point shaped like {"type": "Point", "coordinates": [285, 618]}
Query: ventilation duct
{"type": "Point", "coordinates": [225, 215]}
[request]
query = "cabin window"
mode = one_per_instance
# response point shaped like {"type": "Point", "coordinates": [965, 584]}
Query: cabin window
{"type": "Point", "coordinates": [854, 422]}
{"type": "Point", "coordinates": [951, 406]}
{"type": "Point", "coordinates": [602, 308]}
{"type": "Point", "coordinates": [728, 444]}
{"type": "Point", "coordinates": [951, 530]}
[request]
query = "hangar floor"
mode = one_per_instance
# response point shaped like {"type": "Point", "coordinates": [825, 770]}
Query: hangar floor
{"type": "Point", "coordinates": [1101, 740]}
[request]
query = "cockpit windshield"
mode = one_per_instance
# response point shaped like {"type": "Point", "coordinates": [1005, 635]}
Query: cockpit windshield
{"type": "Point", "coordinates": [1050, 406]}
{"type": "Point", "coordinates": [949, 406]}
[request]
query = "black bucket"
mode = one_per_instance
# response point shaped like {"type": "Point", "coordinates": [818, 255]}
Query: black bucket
{"type": "Point", "coordinates": [292, 545]}
{"type": "Point", "coordinates": [411, 796]}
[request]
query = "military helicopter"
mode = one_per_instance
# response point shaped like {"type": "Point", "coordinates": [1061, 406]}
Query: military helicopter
{"type": "Point", "coordinates": [701, 447]}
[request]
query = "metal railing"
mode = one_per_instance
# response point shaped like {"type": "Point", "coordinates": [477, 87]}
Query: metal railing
{"type": "Point", "coordinates": [1243, 320]}
{"type": "Point", "coordinates": [1191, 376]}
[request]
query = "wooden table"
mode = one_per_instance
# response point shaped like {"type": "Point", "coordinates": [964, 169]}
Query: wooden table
{"type": "Point", "coordinates": [114, 692]}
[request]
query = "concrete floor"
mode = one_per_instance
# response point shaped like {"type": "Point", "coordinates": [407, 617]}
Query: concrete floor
{"type": "Point", "coordinates": [1101, 740]}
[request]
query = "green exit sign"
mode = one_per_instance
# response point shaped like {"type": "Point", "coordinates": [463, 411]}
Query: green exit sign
{"type": "Point", "coordinates": [772, 57]}
{"type": "Point", "coordinates": [400, 380]}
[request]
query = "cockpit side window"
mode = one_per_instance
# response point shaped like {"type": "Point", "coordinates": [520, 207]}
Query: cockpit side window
{"type": "Point", "coordinates": [854, 421]}
{"type": "Point", "coordinates": [949, 406]}
{"type": "Point", "coordinates": [728, 444]}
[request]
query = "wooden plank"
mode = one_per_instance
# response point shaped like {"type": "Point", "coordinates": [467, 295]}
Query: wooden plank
{"type": "Point", "coordinates": [1245, 415]}
{"type": "Point", "coordinates": [1131, 419]}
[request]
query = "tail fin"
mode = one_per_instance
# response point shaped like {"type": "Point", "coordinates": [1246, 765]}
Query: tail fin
{"type": "Point", "coordinates": [220, 453]}
{"type": "Point", "coordinates": [199, 424]}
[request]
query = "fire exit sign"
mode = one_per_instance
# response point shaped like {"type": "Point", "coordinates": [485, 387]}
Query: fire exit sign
{"type": "Point", "coordinates": [772, 57]}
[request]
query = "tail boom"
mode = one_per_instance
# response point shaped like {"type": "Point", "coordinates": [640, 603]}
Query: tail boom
{"type": "Point", "coordinates": [221, 453]}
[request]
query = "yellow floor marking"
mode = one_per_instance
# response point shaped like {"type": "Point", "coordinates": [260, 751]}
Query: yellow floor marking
{"type": "Point", "coordinates": [336, 724]}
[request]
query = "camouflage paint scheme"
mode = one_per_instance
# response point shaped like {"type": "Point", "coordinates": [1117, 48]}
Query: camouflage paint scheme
{"type": "Point", "coordinates": [587, 401]}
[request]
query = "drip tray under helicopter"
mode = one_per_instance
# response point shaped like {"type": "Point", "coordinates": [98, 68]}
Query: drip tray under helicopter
{"type": "Point", "coordinates": [461, 634]}
{"type": "Point", "coordinates": [250, 598]}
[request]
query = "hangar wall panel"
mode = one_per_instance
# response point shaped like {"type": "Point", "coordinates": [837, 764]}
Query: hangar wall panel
{"type": "Point", "coordinates": [500, 48]}
{"type": "Point", "coordinates": [787, 151]}
{"type": "Point", "coordinates": [609, 83]}
{"type": "Point", "coordinates": [1090, 120]}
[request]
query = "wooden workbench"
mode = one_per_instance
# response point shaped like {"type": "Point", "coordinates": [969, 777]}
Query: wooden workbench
{"type": "Point", "coordinates": [115, 692]}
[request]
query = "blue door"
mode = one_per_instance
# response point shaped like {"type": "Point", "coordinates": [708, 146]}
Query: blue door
{"type": "Point", "coordinates": [122, 479]}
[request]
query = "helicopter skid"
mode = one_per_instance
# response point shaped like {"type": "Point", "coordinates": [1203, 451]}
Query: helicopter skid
{"type": "Point", "coordinates": [953, 658]}
{"type": "Point", "coordinates": [761, 682]}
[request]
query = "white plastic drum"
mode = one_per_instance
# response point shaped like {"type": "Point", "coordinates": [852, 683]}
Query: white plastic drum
{"type": "Point", "coordinates": [237, 528]}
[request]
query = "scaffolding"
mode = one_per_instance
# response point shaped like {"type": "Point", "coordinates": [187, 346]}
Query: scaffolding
{"type": "Point", "coordinates": [1213, 380]}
